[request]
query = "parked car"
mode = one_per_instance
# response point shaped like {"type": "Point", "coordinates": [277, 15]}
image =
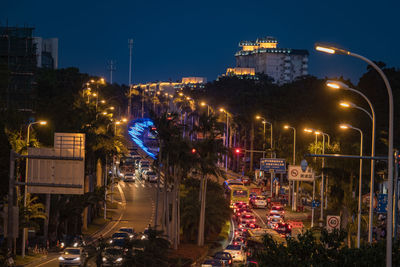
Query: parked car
{"type": "Point", "coordinates": [122, 235]}
{"type": "Point", "coordinates": [259, 202]}
{"type": "Point", "coordinates": [225, 257]}
{"type": "Point", "coordinates": [237, 252]}
{"type": "Point", "coordinates": [73, 256]}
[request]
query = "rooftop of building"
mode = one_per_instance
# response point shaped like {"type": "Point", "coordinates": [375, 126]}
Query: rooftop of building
{"type": "Point", "coordinates": [267, 44]}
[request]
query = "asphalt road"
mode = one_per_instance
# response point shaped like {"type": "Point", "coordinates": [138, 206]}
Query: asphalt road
{"type": "Point", "coordinates": [137, 209]}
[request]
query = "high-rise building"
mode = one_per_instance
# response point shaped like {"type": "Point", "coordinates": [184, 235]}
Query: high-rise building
{"type": "Point", "coordinates": [281, 64]}
{"type": "Point", "coordinates": [17, 67]}
{"type": "Point", "coordinates": [46, 52]}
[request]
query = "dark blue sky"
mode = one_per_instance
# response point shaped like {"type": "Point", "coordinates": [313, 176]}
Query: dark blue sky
{"type": "Point", "coordinates": [199, 38]}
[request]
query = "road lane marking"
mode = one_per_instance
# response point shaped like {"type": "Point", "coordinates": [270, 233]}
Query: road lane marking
{"type": "Point", "coordinates": [259, 217]}
{"type": "Point", "coordinates": [46, 262]}
{"type": "Point", "coordinates": [123, 211]}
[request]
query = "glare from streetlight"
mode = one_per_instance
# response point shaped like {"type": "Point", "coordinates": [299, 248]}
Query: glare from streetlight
{"type": "Point", "coordinates": [94, 94]}
{"type": "Point", "coordinates": [103, 101]}
{"type": "Point", "coordinates": [112, 108]}
{"type": "Point", "coordinates": [308, 130]}
{"type": "Point", "coordinates": [317, 132]}
{"type": "Point", "coordinates": [203, 104]}
{"type": "Point", "coordinates": [42, 122]}
{"type": "Point", "coordinates": [118, 122]}
{"type": "Point", "coordinates": [286, 126]}
{"type": "Point", "coordinates": [104, 113]}
{"type": "Point", "coordinates": [333, 85]}
{"type": "Point", "coordinates": [345, 104]}
{"type": "Point", "coordinates": [92, 81]}
{"type": "Point", "coordinates": [222, 110]}
{"type": "Point", "coordinates": [325, 49]}
{"type": "Point", "coordinates": [345, 126]}
{"type": "Point", "coordinates": [124, 119]}
{"type": "Point", "coordinates": [180, 94]}
{"type": "Point", "coordinates": [258, 117]}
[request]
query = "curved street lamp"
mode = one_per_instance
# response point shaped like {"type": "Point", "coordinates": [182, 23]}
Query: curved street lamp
{"type": "Point", "coordinates": [348, 126]}
{"type": "Point", "coordinates": [341, 85]}
{"type": "Point", "coordinates": [294, 200]}
{"type": "Point", "coordinates": [389, 220]}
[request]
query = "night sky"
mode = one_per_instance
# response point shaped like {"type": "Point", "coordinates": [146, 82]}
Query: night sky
{"type": "Point", "coordinates": [199, 38]}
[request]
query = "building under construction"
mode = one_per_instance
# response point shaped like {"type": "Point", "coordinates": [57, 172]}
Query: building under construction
{"type": "Point", "coordinates": [17, 66]}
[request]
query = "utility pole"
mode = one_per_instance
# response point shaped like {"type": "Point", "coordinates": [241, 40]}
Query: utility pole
{"type": "Point", "coordinates": [111, 67]}
{"type": "Point", "coordinates": [130, 44]}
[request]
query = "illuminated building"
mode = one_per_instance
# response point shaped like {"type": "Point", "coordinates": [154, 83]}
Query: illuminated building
{"type": "Point", "coordinates": [281, 64]}
{"type": "Point", "coordinates": [241, 73]}
{"type": "Point", "coordinates": [171, 87]}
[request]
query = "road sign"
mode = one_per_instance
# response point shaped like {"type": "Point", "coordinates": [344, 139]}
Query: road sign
{"type": "Point", "coordinates": [332, 222]}
{"type": "Point", "coordinates": [315, 203]}
{"type": "Point", "coordinates": [275, 180]}
{"type": "Point", "coordinates": [295, 173]}
{"type": "Point", "coordinates": [382, 203]}
{"type": "Point", "coordinates": [304, 165]}
{"type": "Point", "coordinates": [275, 165]}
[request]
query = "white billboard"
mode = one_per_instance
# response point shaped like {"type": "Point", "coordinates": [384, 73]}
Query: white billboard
{"type": "Point", "coordinates": [55, 176]}
{"type": "Point", "coordinates": [295, 173]}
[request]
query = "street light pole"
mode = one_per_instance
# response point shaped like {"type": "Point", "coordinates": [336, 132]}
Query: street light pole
{"type": "Point", "coordinates": [340, 85]}
{"type": "Point", "coordinates": [345, 126]}
{"type": "Point", "coordinates": [389, 220]}
{"type": "Point", "coordinates": [23, 239]}
{"type": "Point", "coordinates": [294, 200]}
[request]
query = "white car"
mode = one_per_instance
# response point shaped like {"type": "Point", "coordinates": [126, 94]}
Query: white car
{"type": "Point", "coordinates": [237, 252]}
{"type": "Point", "coordinates": [129, 177]}
{"type": "Point", "coordinates": [259, 202]}
{"type": "Point", "coordinates": [72, 256]}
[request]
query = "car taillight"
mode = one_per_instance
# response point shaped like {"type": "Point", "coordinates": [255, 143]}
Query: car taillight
{"type": "Point", "coordinates": [290, 227]}
{"type": "Point", "coordinates": [230, 261]}
{"type": "Point", "coordinates": [254, 220]}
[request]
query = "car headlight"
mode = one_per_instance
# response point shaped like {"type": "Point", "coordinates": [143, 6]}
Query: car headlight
{"type": "Point", "coordinates": [104, 259]}
{"type": "Point", "coordinates": [75, 244]}
{"type": "Point", "coordinates": [119, 260]}
{"type": "Point", "coordinates": [130, 236]}
{"type": "Point", "coordinates": [77, 259]}
{"type": "Point", "coordinates": [110, 241]}
{"type": "Point", "coordinates": [61, 258]}
{"type": "Point", "coordinates": [62, 244]}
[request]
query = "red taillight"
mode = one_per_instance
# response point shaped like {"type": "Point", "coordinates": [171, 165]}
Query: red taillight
{"type": "Point", "coordinates": [229, 262]}
{"type": "Point", "coordinates": [290, 227]}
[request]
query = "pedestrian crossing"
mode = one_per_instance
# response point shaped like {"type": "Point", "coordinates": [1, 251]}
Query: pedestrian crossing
{"type": "Point", "coordinates": [142, 184]}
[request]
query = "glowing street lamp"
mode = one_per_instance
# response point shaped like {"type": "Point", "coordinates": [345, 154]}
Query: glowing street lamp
{"type": "Point", "coordinates": [340, 85]}
{"type": "Point", "coordinates": [389, 220]}
{"type": "Point", "coordinates": [208, 107]}
{"type": "Point", "coordinates": [294, 200]}
{"type": "Point", "coordinates": [348, 126]}
{"type": "Point", "coordinates": [264, 121]}
{"type": "Point", "coordinates": [226, 136]}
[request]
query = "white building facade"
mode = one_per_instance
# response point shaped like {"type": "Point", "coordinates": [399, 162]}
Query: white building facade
{"type": "Point", "coordinates": [283, 65]}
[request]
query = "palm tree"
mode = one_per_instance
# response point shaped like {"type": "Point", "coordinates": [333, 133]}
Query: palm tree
{"type": "Point", "coordinates": [32, 211]}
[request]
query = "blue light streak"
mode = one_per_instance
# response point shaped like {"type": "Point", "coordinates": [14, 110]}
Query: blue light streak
{"type": "Point", "coordinates": [137, 131]}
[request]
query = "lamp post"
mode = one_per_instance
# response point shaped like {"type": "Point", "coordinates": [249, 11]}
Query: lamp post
{"type": "Point", "coordinates": [264, 121]}
{"type": "Point", "coordinates": [389, 220]}
{"type": "Point", "coordinates": [340, 85]}
{"type": "Point", "coordinates": [23, 239]}
{"type": "Point", "coordinates": [347, 126]}
{"type": "Point", "coordinates": [294, 200]}
{"type": "Point", "coordinates": [307, 130]}
{"type": "Point", "coordinates": [208, 107]}
{"type": "Point", "coordinates": [226, 136]}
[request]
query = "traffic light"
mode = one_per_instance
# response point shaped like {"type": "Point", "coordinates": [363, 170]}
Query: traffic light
{"type": "Point", "coordinates": [238, 151]}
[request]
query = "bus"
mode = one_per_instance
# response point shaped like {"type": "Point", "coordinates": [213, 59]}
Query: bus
{"type": "Point", "coordinates": [237, 194]}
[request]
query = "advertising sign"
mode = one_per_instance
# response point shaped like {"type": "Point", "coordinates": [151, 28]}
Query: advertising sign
{"type": "Point", "coordinates": [295, 173]}
{"type": "Point", "coordinates": [276, 165]}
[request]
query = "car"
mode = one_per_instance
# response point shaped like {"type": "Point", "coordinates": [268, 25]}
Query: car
{"type": "Point", "coordinates": [151, 176]}
{"type": "Point", "coordinates": [259, 202]}
{"type": "Point", "coordinates": [72, 256]}
{"type": "Point", "coordinates": [212, 263]}
{"type": "Point", "coordinates": [129, 177]}
{"type": "Point", "coordinates": [225, 257]}
{"type": "Point", "coordinates": [247, 218]}
{"type": "Point", "coordinates": [128, 230]}
{"type": "Point", "coordinates": [72, 241]}
{"type": "Point", "coordinates": [240, 232]}
{"type": "Point", "coordinates": [274, 215]}
{"type": "Point", "coordinates": [283, 229]}
{"type": "Point", "coordinates": [246, 180]}
{"type": "Point", "coordinates": [122, 234]}
{"type": "Point", "coordinates": [237, 252]}
{"type": "Point", "coordinates": [118, 242]}
{"type": "Point", "coordinates": [242, 211]}
{"type": "Point", "coordinates": [112, 256]}
{"type": "Point", "coordinates": [273, 222]}
{"type": "Point", "coordinates": [240, 240]}
{"type": "Point", "coordinates": [277, 210]}
{"type": "Point", "coordinates": [252, 226]}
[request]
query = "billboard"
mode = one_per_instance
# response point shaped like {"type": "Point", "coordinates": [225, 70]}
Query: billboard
{"type": "Point", "coordinates": [54, 176]}
{"type": "Point", "coordinates": [271, 164]}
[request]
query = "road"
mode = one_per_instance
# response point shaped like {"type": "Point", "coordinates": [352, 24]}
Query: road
{"type": "Point", "coordinates": [137, 209]}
